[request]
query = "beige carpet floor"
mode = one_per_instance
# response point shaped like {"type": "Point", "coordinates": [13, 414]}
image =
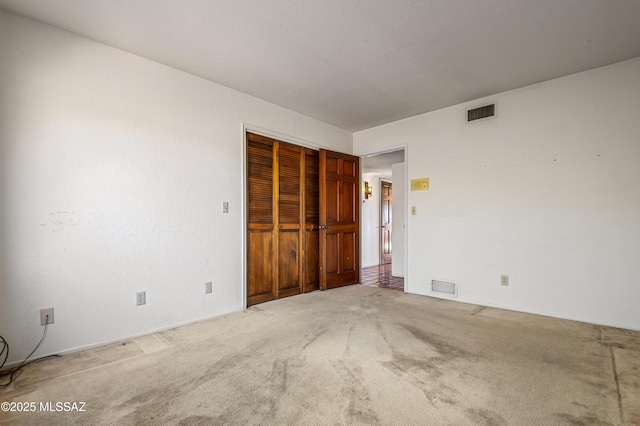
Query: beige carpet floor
{"type": "Point", "coordinates": [356, 355]}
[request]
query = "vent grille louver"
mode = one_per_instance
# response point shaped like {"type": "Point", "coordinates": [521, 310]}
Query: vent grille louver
{"type": "Point", "coordinates": [446, 287]}
{"type": "Point", "coordinates": [479, 113]}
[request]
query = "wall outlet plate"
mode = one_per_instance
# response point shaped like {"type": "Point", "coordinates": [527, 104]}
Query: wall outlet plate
{"type": "Point", "coordinates": [208, 287]}
{"type": "Point", "coordinates": [225, 207]}
{"type": "Point", "coordinates": [141, 298]}
{"type": "Point", "coordinates": [43, 316]}
{"type": "Point", "coordinates": [504, 280]}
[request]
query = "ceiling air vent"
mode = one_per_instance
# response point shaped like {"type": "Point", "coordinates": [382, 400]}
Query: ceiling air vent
{"type": "Point", "coordinates": [479, 113]}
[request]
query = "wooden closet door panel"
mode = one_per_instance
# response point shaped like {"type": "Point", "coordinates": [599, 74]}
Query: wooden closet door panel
{"type": "Point", "coordinates": [290, 208]}
{"type": "Point", "coordinates": [311, 222]}
{"type": "Point", "coordinates": [339, 219]}
{"type": "Point", "coordinates": [289, 185]}
{"type": "Point", "coordinates": [260, 167]}
{"type": "Point", "coordinates": [347, 208]}
{"type": "Point", "coordinates": [348, 252]}
{"type": "Point", "coordinates": [261, 277]}
{"type": "Point", "coordinates": [332, 245]}
{"type": "Point", "coordinates": [288, 263]}
{"type": "Point", "coordinates": [312, 266]}
{"type": "Point", "coordinates": [260, 265]}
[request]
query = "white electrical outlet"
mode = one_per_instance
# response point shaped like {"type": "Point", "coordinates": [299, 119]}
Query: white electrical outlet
{"type": "Point", "coordinates": [225, 207]}
{"type": "Point", "coordinates": [141, 298]}
{"type": "Point", "coordinates": [208, 287]}
{"type": "Point", "coordinates": [46, 316]}
{"type": "Point", "coordinates": [504, 280]}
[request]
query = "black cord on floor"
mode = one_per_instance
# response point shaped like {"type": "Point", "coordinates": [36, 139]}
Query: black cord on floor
{"type": "Point", "coordinates": [11, 373]}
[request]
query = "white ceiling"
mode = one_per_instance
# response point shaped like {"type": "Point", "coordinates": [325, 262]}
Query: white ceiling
{"type": "Point", "coordinates": [359, 63]}
{"type": "Point", "coordinates": [380, 164]}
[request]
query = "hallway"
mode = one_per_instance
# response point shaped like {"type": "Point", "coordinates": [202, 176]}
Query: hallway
{"type": "Point", "coordinates": [380, 276]}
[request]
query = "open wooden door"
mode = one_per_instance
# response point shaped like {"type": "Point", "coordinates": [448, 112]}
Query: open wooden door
{"type": "Point", "coordinates": [339, 178]}
{"type": "Point", "coordinates": [386, 222]}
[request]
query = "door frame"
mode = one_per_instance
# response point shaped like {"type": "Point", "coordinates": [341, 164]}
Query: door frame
{"type": "Point", "coordinates": [380, 239]}
{"type": "Point", "coordinates": [407, 211]}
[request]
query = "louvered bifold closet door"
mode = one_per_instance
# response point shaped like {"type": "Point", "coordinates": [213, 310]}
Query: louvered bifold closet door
{"type": "Point", "coordinates": [311, 221]}
{"type": "Point", "coordinates": [289, 221]}
{"type": "Point", "coordinates": [282, 219]}
{"type": "Point", "coordinates": [261, 230]}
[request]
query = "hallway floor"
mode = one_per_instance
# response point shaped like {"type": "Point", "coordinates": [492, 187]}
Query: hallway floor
{"type": "Point", "coordinates": [380, 276]}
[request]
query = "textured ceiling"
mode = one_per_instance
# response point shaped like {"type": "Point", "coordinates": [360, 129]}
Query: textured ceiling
{"type": "Point", "coordinates": [380, 164]}
{"type": "Point", "coordinates": [359, 63]}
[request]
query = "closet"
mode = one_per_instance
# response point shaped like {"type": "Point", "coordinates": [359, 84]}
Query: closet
{"type": "Point", "coordinates": [282, 219]}
{"type": "Point", "coordinates": [302, 219]}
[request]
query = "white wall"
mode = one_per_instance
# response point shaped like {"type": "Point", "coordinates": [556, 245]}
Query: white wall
{"type": "Point", "coordinates": [398, 204]}
{"type": "Point", "coordinates": [547, 193]}
{"type": "Point", "coordinates": [370, 223]}
{"type": "Point", "coordinates": [113, 169]}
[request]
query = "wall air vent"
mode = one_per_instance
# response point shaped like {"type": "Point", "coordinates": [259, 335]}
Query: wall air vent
{"type": "Point", "coordinates": [479, 113]}
{"type": "Point", "coordinates": [446, 287]}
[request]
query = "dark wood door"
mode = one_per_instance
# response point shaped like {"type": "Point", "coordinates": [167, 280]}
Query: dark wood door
{"type": "Point", "coordinates": [339, 219]}
{"type": "Point", "coordinates": [311, 221]}
{"type": "Point", "coordinates": [261, 226]}
{"type": "Point", "coordinates": [282, 219]}
{"type": "Point", "coordinates": [289, 220]}
{"type": "Point", "coordinates": [386, 221]}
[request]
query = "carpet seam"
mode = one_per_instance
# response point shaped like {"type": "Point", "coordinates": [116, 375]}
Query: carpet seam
{"type": "Point", "coordinates": [615, 376]}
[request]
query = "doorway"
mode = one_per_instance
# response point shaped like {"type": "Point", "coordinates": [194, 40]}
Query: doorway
{"type": "Point", "coordinates": [383, 219]}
